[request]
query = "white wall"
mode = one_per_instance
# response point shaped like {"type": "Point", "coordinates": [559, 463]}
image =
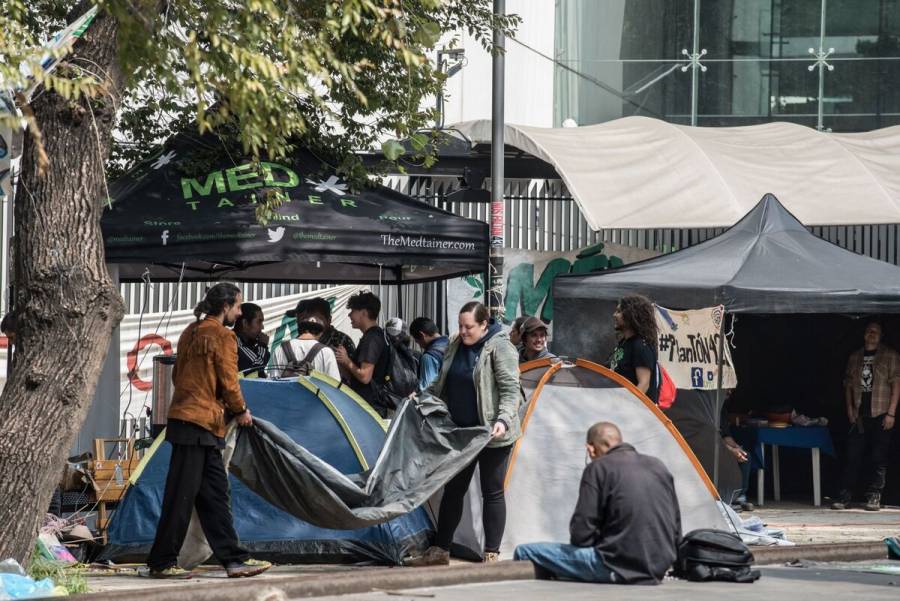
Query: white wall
{"type": "Point", "coordinates": [529, 77]}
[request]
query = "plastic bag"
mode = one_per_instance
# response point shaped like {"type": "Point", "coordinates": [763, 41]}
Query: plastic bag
{"type": "Point", "coordinates": [11, 566]}
{"type": "Point", "coordinates": [14, 586]}
{"type": "Point", "coordinates": [50, 547]}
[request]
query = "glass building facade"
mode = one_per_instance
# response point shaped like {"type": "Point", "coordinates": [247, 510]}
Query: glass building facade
{"type": "Point", "coordinates": [829, 64]}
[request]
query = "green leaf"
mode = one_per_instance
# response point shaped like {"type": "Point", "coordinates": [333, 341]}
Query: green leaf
{"type": "Point", "coordinates": [419, 141]}
{"type": "Point", "coordinates": [428, 34]}
{"type": "Point", "coordinates": [392, 150]}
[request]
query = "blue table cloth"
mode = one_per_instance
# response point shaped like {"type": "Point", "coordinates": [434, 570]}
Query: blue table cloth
{"type": "Point", "coordinates": [753, 439]}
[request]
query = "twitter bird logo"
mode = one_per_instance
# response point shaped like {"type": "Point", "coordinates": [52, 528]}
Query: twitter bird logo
{"type": "Point", "coordinates": [276, 234]}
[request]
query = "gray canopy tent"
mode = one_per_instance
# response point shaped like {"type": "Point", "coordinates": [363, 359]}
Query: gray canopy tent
{"type": "Point", "coordinates": [767, 263]}
{"type": "Point", "coordinates": [768, 269]}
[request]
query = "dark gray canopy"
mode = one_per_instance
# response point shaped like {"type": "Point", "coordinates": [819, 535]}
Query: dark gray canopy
{"type": "Point", "coordinates": [766, 263]}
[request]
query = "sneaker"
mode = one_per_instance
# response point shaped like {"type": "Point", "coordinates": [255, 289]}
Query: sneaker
{"type": "Point", "coordinates": [170, 573]}
{"type": "Point", "coordinates": [747, 506]}
{"type": "Point", "coordinates": [842, 501]}
{"type": "Point", "coordinates": [491, 557]}
{"type": "Point", "coordinates": [873, 502]}
{"type": "Point", "coordinates": [246, 569]}
{"type": "Point", "coordinates": [433, 556]}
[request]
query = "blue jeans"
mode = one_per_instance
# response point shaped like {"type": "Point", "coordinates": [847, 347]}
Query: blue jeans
{"type": "Point", "coordinates": [741, 496]}
{"type": "Point", "coordinates": [566, 562]}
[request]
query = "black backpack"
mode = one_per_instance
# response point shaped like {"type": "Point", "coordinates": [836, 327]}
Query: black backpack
{"type": "Point", "coordinates": [302, 367]}
{"type": "Point", "coordinates": [401, 374]}
{"type": "Point", "coordinates": [707, 554]}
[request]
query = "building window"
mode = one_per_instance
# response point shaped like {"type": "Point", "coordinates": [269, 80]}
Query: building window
{"type": "Point", "coordinates": [829, 64]}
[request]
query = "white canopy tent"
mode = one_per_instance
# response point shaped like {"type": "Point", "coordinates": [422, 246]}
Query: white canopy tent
{"type": "Point", "coordinates": [639, 172]}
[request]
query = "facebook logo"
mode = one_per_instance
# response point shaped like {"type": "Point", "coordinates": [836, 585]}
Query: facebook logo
{"type": "Point", "coordinates": [696, 377]}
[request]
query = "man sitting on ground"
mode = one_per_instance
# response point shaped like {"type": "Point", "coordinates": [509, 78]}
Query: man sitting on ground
{"type": "Point", "coordinates": [305, 348]}
{"type": "Point", "coordinates": [626, 526]}
{"type": "Point", "coordinates": [425, 332]}
{"type": "Point", "coordinates": [534, 340]}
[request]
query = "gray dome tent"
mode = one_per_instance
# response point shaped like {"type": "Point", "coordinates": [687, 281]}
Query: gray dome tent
{"type": "Point", "coordinates": [792, 291]}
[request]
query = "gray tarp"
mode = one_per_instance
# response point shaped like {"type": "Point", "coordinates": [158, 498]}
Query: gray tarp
{"type": "Point", "coordinates": [424, 449]}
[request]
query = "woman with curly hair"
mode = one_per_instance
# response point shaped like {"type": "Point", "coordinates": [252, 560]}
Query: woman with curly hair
{"type": "Point", "coordinates": [635, 355]}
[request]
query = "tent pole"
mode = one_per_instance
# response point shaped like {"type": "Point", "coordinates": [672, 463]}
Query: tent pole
{"type": "Point", "coordinates": [400, 293]}
{"type": "Point", "coordinates": [718, 409]}
{"type": "Point", "coordinates": [494, 278]}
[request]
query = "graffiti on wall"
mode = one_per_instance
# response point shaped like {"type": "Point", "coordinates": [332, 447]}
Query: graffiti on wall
{"type": "Point", "coordinates": [529, 277]}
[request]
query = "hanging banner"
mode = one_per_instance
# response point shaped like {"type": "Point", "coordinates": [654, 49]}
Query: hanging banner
{"type": "Point", "coordinates": [141, 337]}
{"type": "Point", "coordinates": [689, 348]}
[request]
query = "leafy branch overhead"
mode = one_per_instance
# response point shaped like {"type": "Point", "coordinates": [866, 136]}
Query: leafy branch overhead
{"type": "Point", "coordinates": [335, 75]}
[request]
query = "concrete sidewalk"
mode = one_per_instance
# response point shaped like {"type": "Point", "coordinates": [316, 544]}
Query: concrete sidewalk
{"type": "Point", "coordinates": [776, 583]}
{"type": "Point", "coordinates": [805, 524]}
{"type": "Point", "coordinates": [289, 582]}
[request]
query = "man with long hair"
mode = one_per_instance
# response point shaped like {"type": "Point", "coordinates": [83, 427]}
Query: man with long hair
{"type": "Point", "coordinates": [635, 356]}
{"type": "Point", "coordinates": [206, 393]}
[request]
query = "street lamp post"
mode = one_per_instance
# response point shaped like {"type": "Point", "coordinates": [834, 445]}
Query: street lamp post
{"type": "Point", "coordinates": [494, 275]}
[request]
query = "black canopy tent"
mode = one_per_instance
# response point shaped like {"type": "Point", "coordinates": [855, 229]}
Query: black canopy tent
{"type": "Point", "coordinates": [181, 220]}
{"type": "Point", "coordinates": [781, 281]}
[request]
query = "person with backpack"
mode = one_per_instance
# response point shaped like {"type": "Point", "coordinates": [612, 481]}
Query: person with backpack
{"type": "Point", "coordinates": [635, 356]}
{"type": "Point", "coordinates": [370, 363]}
{"type": "Point", "coordinates": [305, 353]}
{"type": "Point", "coordinates": [626, 527]}
{"type": "Point", "coordinates": [425, 332]}
{"type": "Point", "coordinates": [479, 382]}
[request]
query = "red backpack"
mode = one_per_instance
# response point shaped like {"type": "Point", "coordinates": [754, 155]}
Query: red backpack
{"type": "Point", "coordinates": [666, 388]}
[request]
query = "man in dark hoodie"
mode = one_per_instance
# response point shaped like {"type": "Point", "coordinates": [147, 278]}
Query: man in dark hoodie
{"type": "Point", "coordinates": [626, 526]}
{"type": "Point", "coordinates": [425, 332]}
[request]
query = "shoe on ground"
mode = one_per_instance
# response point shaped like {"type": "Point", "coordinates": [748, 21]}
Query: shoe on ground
{"type": "Point", "coordinates": [170, 573]}
{"type": "Point", "coordinates": [873, 502]}
{"type": "Point", "coordinates": [433, 556]}
{"type": "Point", "coordinates": [842, 501]}
{"type": "Point", "coordinates": [491, 557]}
{"type": "Point", "coordinates": [246, 569]}
{"type": "Point", "coordinates": [747, 506]}
{"type": "Point", "coordinates": [542, 573]}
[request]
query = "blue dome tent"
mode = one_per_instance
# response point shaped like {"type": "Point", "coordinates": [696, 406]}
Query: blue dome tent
{"type": "Point", "coordinates": [328, 420]}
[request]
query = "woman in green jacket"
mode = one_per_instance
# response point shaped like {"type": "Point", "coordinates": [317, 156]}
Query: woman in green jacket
{"type": "Point", "coordinates": [479, 381]}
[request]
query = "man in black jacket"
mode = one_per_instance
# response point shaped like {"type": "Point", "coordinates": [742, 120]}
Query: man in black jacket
{"type": "Point", "coordinates": [626, 524]}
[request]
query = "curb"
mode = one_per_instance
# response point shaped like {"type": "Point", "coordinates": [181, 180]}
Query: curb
{"type": "Point", "coordinates": [365, 581]}
{"type": "Point", "coordinates": [294, 587]}
{"type": "Point", "coordinates": [826, 552]}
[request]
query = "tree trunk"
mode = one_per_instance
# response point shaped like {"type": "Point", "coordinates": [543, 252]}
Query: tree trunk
{"type": "Point", "coordinates": [66, 304]}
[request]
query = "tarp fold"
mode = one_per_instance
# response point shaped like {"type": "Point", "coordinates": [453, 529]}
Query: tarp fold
{"type": "Point", "coordinates": [424, 449]}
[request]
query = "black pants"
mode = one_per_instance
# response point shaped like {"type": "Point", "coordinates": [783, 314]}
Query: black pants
{"type": "Point", "coordinates": [492, 468]}
{"type": "Point", "coordinates": [196, 478]}
{"type": "Point", "coordinates": [871, 445]}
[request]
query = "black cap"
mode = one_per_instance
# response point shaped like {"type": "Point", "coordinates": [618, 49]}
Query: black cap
{"type": "Point", "coordinates": [298, 310]}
